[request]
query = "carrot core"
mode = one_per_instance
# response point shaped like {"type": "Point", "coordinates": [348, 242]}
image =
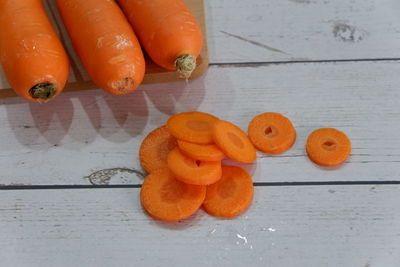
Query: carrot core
{"type": "Point", "coordinates": [235, 140]}
{"type": "Point", "coordinates": [172, 192]}
{"type": "Point", "coordinates": [43, 91]}
{"type": "Point", "coordinates": [329, 145]}
{"type": "Point", "coordinates": [185, 65]}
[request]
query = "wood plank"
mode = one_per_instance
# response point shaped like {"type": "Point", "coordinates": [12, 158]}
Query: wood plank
{"type": "Point", "coordinates": [286, 226]}
{"type": "Point", "coordinates": [291, 30]}
{"type": "Point", "coordinates": [80, 80]}
{"type": "Point", "coordinates": [78, 134]}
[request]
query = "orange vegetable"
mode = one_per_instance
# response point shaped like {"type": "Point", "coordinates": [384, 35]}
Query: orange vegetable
{"type": "Point", "coordinates": [155, 148]}
{"type": "Point", "coordinates": [193, 171]}
{"type": "Point", "coordinates": [167, 199]}
{"type": "Point", "coordinates": [193, 127]}
{"type": "Point", "coordinates": [328, 147]}
{"type": "Point", "coordinates": [201, 152]}
{"type": "Point", "coordinates": [168, 32]}
{"type": "Point", "coordinates": [231, 195]}
{"type": "Point", "coordinates": [233, 142]}
{"type": "Point", "coordinates": [105, 43]}
{"type": "Point", "coordinates": [271, 133]}
{"type": "Point", "coordinates": [33, 58]}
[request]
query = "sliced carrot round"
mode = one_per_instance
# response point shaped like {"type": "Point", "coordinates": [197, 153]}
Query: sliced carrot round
{"type": "Point", "coordinates": [328, 147]}
{"type": "Point", "coordinates": [271, 133]}
{"type": "Point", "coordinates": [233, 142]}
{"type": "Point", "coordinates": [201, 152]}
{"type": "Point", "coordinates": [155, 148]}
{"type": "Point", "coordinates": [193, 171]}
{"type": "Point", "coordinates": [167, 199]}
{"type": "Point", "coordinates": [194, 127]}
{"type": "Point", "coordinates": [231, 195]}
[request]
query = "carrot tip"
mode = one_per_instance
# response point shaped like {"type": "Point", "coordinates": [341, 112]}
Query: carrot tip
{"type": "Point", "coordinates": [185, 65]}
{"type": "Point", "coordinates": [43, 91]}
{"type": "Point", "coordinates": [123, 86]}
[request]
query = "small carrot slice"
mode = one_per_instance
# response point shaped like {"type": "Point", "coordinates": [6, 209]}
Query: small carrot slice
{"type": "Point", "coordinates": [271, 133]}
{"type": "Point", "coordinates": [231, 195]}
{"type": "Point", "coordinates": [201, 152]}
{"type": "Point", "coordinates": [194, 127]}
{"type": "Point", "coordinates": [328, 147]}
{"type": "Point", "coordinates": [155, 148]}
{"type": "Point", "coordinates": [233, 142]}
{"type": "Point", "coordinates": [193, 171]}
{"type": "Point", "coordinates": [167, 199]}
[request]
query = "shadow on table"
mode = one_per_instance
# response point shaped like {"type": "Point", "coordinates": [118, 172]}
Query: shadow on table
{"type": "Point", "coordinates": [86, 114]}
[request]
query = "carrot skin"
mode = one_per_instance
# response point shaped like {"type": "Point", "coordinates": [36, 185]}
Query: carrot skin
{"type": "Point", "coordinates": [31, 53]}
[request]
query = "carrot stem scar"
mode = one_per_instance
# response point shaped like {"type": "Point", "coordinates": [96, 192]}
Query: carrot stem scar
{"type": "Point", "coordinates": [155, 148]}
{"type": "Point", "coordinates": [233, 142]}
{"type": "Point", "coordinates": [271, 133]}
{"type": "Point", "coordinates": [231, 195]}
{"type": "Point", "coordinates": [167, 199]}
{"type": "Point", "coordinates": [201, 152]}
{"type": "Point", "coordinates": [194, 127]}
{"type": "Point", "coordinates": [328, 147]}
{"type": "Point", "coordinates": [193, 171]}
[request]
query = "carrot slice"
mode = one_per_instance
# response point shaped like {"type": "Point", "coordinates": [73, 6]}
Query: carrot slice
{"type": "Point", "coordinates": [201, 152]}
{"type": "Point", "coordinates": [167, 199]}
{"type": "Point", "coordinates": [233, 142]}
{"type": "Point", "coordinates": [231, 195]}
{"type": "Point", "coordinates": [194, 127]}
{"type": "Point", "coordinates": [193, 171]}
{"type": "Point", "coordinates": [155, 148]}
{"type": "Point", "coordinates": [271, 133]}
{"type": "Point", "coordinates": [328, 147]}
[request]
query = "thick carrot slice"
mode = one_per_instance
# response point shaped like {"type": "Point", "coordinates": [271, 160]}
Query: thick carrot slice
{"type": "Point", "coordinates": [155, 148]}
{"type": "Point", "coordinates": [231, 195]}
{"type": "Point", "coordinates": [193, 171]}
{"type": "Point", "coordinates": [201, 152]}
{"type": "Point", "coordinates": [328, 147]}
{"type": "Point", "coordinates": [194, 127]}
{"type": "Point", "coordinates": [168, 32]}
{"type": "Point", "coordinates": [233, 142]}
{"type": "Point", "coordinates": [167, 199]}
{"type": "Point", "coordinates": [271, 133]}
{"type": "Point", "coordinates": [33, 58]}
{"type": "Point", "coordinates": [105, 43]}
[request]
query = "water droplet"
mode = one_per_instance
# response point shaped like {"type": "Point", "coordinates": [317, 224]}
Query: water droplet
{"type": "Point", "coordinates": [242, 237]}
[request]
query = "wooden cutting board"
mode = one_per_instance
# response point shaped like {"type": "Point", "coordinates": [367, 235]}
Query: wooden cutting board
{"type": "Point", "coordinates": [79, 79]}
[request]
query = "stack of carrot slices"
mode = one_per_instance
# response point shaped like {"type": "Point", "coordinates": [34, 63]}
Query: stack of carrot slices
{"type": "Point", "coordinates": [183, 159]}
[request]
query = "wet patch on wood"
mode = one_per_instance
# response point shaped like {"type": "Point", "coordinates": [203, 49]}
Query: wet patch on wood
{"type": "Point", "coordinates": [115, 176]}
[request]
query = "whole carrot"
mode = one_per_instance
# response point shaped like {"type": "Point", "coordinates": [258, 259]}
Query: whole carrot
{"type": "Point", "coordinates": [105, 43]}
{"type": "Point", "coordinates": [168, 32]}
{"type": "Point", "coordinates": [31, 54]}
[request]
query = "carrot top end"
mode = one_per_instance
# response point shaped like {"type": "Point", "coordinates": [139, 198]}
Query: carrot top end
{"type": "Point", "coordinates": [43, 91]}
{"type": "Point", "coordinates": [185, 65]}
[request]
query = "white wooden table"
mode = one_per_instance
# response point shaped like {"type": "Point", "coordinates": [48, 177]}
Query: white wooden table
{"type": "Point", "coordinates": [69, 190]}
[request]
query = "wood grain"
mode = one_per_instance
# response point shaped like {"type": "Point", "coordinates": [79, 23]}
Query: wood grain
{"type": "Point", "coordinates": [302, 30]}
{"type": "Point", "coordinates": [286, 226]}
{"type": "Point", "coordinates": [78, 134]}
{"type": "Point", "coordinates": [80, 80]}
